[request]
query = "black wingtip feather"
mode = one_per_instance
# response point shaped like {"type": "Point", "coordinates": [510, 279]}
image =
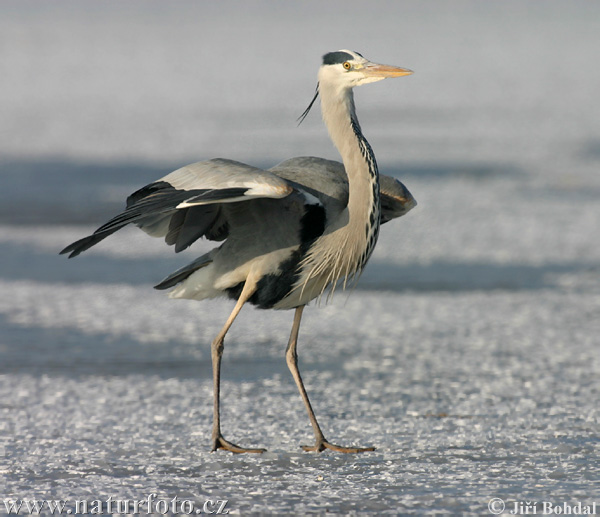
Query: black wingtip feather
{"type": "Point", "coordinates": [162, 198]}
{"type": "Point", "coordinates": [84, 244]}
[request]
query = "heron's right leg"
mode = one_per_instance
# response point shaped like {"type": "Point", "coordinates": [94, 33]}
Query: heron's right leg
{"type": "Point", "coordinates": [218, 442]}
{"type": "Point", "coordinates": [291, 357]}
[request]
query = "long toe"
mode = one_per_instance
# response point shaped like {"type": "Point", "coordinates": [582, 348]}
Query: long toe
{"type": "Point", "coordinates": [321, 445]}
{"type": "Point", "coordinates": [222, 443]}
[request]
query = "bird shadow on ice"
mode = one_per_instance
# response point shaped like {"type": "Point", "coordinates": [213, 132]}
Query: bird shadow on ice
{"type": "Point", "coordinates": [67, 352]}
{"type": "Point", "coordinates": [69, 192]}
{"type": "Point", "coordinates": [590, 150]}
{"type": "Point", "coordinates": [457, 276]}
{"type": "Point", "coordinates": [20, 263]}
{"type": "Point", "coordinates": [442, 171]}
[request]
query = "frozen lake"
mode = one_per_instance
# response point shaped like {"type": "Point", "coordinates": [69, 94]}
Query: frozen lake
{"type": "Point", "coordinates": [468, 353]}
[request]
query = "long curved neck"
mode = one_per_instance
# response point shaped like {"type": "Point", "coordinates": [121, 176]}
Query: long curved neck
{"type": "Point", "coordinates": [364, 207]}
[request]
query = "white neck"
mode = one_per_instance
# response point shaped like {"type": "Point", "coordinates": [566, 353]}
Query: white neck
{"type": "Point", "coordinates": [340, 118]}
{"type": "Point", "coordinates": [349, 238]}
{"type": "Point", "coordinates": [343, 250]}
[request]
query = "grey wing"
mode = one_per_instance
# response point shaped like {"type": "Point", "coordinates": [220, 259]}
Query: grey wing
{"type": "Point", "coordinates": [187, 204]}
{"type": "Point", "coordinates": [327, 180]}
{"type": "Point", "coordinates": [396, 200]}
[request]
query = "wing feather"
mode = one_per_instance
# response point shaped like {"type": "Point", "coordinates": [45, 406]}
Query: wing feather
{"type": "Point", "coordinates": [188, 203]}
{"type": "Point", "coordinates": [396, 199]}
{"type": "Point", "coordinates": [327, 180]}
{"type": "Point", "coordinates": [198, 190]}
{"type": "Point", "coordinates": [197, 221]}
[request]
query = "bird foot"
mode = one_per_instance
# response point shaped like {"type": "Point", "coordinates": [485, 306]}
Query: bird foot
{"type": "Point", "coordinates": [323, 444]}
{"type": "Point", "coordinates": [221, 443]}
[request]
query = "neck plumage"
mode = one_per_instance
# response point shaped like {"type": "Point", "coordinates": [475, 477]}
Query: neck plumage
{"type": "Point", "coordinates": [349, 238]}
{"type": "Point", "coordinates": [364, 209]}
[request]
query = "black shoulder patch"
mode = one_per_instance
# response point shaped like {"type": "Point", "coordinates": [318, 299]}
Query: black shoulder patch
{"type": "Point", "coordinates": [334, 58]}
{"type": "Point", "coordinates": [312, 224]}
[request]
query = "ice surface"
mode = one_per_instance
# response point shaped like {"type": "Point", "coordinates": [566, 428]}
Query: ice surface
{"type": "Point", "coordinates": [467, 353]}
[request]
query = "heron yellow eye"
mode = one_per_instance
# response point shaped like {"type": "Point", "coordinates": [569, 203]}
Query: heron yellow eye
{"type": "Point", "coordinates": [347, 65]}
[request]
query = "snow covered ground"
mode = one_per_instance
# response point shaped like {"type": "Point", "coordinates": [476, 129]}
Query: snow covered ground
{"type": "Point", "coordinates": [467, 354]}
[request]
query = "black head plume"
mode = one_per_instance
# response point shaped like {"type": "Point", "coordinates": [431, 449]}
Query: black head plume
{"type": "Point", "coordinates": [306, 111]}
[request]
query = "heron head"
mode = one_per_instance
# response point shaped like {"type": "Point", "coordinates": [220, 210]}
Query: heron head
{"type": "Point", "coordinates": [349, 69]}
{"type": "Point", "coordinates": [344, 69]}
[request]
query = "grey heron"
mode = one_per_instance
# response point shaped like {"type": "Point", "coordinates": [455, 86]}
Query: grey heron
{"type": "Point", "coordinates": [289, 232]}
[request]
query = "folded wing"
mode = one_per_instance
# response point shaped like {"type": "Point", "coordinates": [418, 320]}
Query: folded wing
{"type": "Point", "coordinates": [327, 180]}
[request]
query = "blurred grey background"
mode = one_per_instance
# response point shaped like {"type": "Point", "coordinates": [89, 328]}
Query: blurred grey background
{"type": "Point", "coordinates": [510, 82]}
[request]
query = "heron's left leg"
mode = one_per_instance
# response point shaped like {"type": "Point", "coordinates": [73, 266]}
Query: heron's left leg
{"type": "Point", "coordinates": [292, 361]}
{"type": "Point", "coordinates": [218, 442]}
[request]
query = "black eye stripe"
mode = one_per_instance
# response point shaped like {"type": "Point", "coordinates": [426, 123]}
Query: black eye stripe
{"type": "Point", "coordinates": [335, 58]}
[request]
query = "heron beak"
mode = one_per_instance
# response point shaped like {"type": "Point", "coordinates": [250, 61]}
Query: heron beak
{"type": "Point", "coordinates": [383, 71]}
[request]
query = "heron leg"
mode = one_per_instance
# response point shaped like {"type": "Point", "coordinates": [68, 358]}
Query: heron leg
{"type": "Point", "coordinates": [291, 357]}
{"type": "Point", "coordinates": [218, 442]}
